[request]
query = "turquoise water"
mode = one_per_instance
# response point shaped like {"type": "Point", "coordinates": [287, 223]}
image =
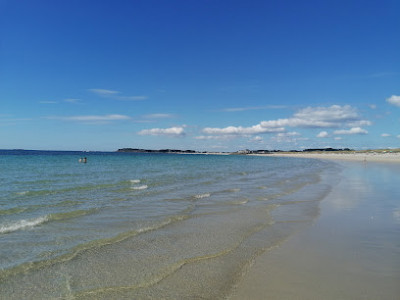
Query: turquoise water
{"type": "Point", "coordinates": [146, 225]}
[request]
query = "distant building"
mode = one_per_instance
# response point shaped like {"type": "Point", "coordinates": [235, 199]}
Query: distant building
{"type": "Point", "coordinates": [246, 151]}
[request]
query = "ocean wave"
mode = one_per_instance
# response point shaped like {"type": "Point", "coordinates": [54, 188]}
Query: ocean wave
{"type": "Point", "coordinates": [23, 224]}
{"type": "Point", "coordinates": [134, 180]}
{"type": "Point", "coordinates": [201, 196]}
{"type": "Point", "coordinates": [140, 187]}
{"type": "Point", "coordinates": [26, 224]}
{"type": "Point", "coordinates": [22, 193]}
{"type": "Point", "coordinates": [241, 202]}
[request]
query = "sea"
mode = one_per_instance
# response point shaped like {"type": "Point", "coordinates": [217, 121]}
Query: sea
{"type": "Point", "coordinates": [147, 225]}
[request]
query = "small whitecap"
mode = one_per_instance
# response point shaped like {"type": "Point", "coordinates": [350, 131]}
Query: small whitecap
{"type": "Point", "coordinates": [140, 187]}
{"type": "Point", "coordinates": [241, 202]}
{"type": "Point", "coordinates": [22, 193]}
{"type": "Point", "coordinates": [134, 180]}
{"type": "Point", "coordinates": [201, 196]}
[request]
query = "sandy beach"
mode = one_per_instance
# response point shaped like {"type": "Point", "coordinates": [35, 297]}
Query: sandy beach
{"type": "Point", "coordinates": [352, 156]}
{"type": "Point", "coordinates": [350, 252]}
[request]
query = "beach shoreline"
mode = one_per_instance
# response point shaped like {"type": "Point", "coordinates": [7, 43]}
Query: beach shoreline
{"type": "Point", "coordinates": [352, 156]}
{"type": "Point", "coordinates": [349, 252]}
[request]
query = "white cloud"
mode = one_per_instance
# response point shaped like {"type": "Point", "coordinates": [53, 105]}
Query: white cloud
{"type": "Point", "coordinates": [320, 117]}
{"type": "Point", "coordinates": [232, 130]}
{"type": "Point", "coordinates": [335, 116]}
{"type": "Point", "coordinates": [115, 95]}
{"type": "Point", "coordinates": [354, 130]}
{"type": "Point", "coordinates": [92, 118]}
{"type": "Point", "coordinates": [173, 131]}
{"type": "Point", "coordinates": [395, 100]}
{"type": "Point", "coordinates": [372, 106]}
{"type": "Point", "coordinates": [385, 135]}
{"type": "Point", "coordinates": [338, 138]}
{"type": "Point", "coordinates": [322, 134]}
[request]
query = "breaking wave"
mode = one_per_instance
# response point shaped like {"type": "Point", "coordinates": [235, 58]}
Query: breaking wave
{"type": "Point", "coordinates": [23, 224]}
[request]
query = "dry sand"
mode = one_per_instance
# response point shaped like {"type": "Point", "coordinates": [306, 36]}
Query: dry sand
{"type": "Point", "coordinates": [352, 156]}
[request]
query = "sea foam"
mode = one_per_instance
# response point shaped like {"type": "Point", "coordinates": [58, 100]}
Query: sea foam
{"type": "Point", "coordinates": [22, 224]}
{"type": "Point", "coordinates": [201, 196]}
{"type": "Point", "coordinates": [140, 187]}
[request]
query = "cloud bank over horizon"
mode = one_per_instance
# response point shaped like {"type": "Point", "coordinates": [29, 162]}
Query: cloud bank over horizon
{"type": "Point", "coordinates": [342, 119]}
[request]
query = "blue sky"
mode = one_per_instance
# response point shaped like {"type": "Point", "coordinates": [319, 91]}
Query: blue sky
{"type": "Point", "coordinates": [202, 75]}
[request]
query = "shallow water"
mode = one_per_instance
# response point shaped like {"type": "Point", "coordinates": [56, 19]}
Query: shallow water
{"type": "Point", "coordinates": [146, 225]}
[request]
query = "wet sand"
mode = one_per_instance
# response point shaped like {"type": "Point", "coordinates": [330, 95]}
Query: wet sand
{"type": "Point", "coordinates": [352, 251]}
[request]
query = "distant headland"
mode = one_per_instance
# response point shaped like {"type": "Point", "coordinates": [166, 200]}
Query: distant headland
{"type": "Point", "coordinates": [246, 151]}
{"type": "Point", "coordinates": [134, 150]}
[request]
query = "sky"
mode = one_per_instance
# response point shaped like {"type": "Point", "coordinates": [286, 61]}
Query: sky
{"type": "Point", "coordinates": [220, 75]}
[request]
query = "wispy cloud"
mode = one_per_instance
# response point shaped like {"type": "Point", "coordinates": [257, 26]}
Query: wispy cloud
{"type": "Point", "coordinates": [103, 92]}
{"type": "Point", "coordinates": [159, 116]}
{"type": "Point", "coordinates": [385, 135]}
{"type": "Point", "coordinates": [235, 109]}
{"type": "Point", "coordinates": [92, 118]}
{"type": "Point", "coordinates": [177, 131]}
{"type": "Point", "coordinates": [7, 120]}
{"type": "Point", "coordinates": [116, 95]}
{"type": "Point", "coordinates": [354, 130]}
{"type": "Point", "coordinates": [395, 100]}
{"type": "Point", "coordinates": [72, 100]}
{"type": "Point", "coordinates": [67, 100]}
